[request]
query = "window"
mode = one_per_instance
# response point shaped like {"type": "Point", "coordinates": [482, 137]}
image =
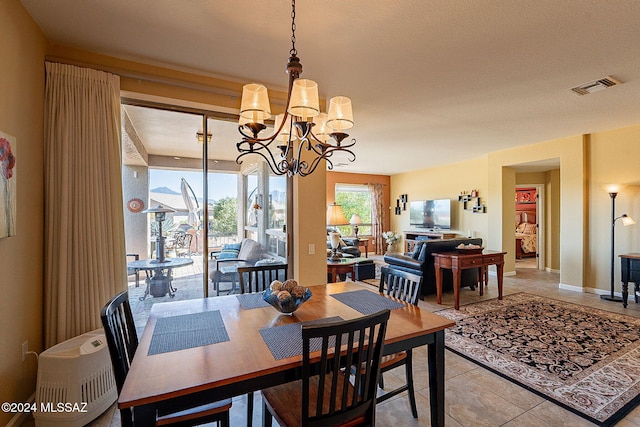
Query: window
{"type": "Point", "coordinates": [355, 199]}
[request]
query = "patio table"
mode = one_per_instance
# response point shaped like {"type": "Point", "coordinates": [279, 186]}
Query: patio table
{"type": "Point", "coordinates": [159, 274]}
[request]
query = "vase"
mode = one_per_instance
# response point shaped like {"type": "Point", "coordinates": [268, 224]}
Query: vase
{"type": "Point", "coordinates": [389, 247]}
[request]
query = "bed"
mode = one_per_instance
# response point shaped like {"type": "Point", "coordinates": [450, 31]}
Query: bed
{"type": "Point", "coordinates": [526, 235]}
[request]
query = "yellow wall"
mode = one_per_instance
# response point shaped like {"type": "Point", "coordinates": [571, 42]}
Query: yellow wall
{"type": "Point", "coordinates": [22, 49]}
{"type": "Point", "coordinates": [613, 159]}
{"type": "Point", "coordinates": [447, 182]}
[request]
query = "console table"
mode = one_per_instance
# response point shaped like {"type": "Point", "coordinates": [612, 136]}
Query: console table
{"type": "Point", "coordinates": [456, 262]}
{"type": "Point", "coordinates": [413, 237]}
{"type": "Point", "coordinates": [630, 264]}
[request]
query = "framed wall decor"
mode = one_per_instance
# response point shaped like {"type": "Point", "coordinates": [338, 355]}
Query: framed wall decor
{"type": "Point", "coordinates": [7, 185]}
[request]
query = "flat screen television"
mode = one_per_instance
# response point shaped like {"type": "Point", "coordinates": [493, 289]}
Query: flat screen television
{"type": "Point", "coordinates": [434, 214]}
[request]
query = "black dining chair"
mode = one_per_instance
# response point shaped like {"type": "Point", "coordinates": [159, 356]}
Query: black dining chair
{"type": "Point", "coordinates": [257, 278]}
{"type": "Point", "coordinates": [404, 286]}
{"type": "Point", "coordinates": [326, 395]}
{"type": "Point", "coordinates": [122, 341]}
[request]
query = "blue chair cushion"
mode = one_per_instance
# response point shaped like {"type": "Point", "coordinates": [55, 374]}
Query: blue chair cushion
{"type": "Point", "coordinates": [229, 250]}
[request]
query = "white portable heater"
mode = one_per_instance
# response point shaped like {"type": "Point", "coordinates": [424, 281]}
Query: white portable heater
{"type": "Point", "coordinates": [75, 382]}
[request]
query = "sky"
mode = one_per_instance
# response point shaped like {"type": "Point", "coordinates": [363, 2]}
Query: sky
{"type": "Point", "coordinates": [220, 184]}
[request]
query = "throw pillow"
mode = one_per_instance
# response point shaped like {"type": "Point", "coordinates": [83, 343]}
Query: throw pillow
{"type": "Point", "coordinates": [529, 229]}
{"type": "Point", "coordinates": [229, 251]}
{"type": "Point", "coordinates": [520, 228]}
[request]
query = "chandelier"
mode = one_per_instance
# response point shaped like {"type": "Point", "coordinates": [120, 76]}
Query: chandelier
{"type": "Point", "coordinates": [303, 135]}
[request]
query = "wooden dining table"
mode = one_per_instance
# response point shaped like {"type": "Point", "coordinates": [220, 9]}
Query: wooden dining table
{"type": "Point", "coordinates": [245, 362]}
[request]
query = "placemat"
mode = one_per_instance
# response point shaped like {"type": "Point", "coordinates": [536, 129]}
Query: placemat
{"type": "Point", "coordinates": [367, 302]}
{"type": "Point", "coordinates": [286, 341]}
{"type": "Point", "coordinates": [187, 331]}
{"type": "Point", "coordinates": [252, 300]}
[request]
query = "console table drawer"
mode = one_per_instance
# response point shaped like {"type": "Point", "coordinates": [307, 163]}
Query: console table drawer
{"type": "Point", "coordinates": [467, 261]}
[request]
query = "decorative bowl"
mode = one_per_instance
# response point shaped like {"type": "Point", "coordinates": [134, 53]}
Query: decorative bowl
{"type": "Point", "coordinates": [286, 297]}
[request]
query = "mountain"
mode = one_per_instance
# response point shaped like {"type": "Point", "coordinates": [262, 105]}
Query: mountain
{"type": "Point", "coordinates": [164, 190]}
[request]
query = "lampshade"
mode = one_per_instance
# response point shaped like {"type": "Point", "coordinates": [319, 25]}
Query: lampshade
{"type": "Point", "coordinates": [627, 220]}
{"type": "Point", "coordinates": [304, 101]}
{"type": "Point", "coordinates": [355, 219]}
{"type": "Point", "coordinates": [284, 133]}
{"type": "Point", "coordinates": [321, 131]}
{"type": "Point", "coordinates": [335, 216]}
{"type": "Point", "coordinates": [255, 103]}
{"type": "Point", "coordinates": [340, 113]}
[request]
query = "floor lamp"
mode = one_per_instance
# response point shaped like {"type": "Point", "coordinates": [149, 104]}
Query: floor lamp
{"type": "Point", "coordinates": [626, 220]}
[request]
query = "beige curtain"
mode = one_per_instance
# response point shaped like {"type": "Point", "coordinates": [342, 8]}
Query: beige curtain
{"type": "Point", "coordinates": [378, 216]}
{"type": "Point", "coordinates": [85, 261]}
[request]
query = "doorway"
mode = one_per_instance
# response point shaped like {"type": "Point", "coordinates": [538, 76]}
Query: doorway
{"type": "Point", "coordinates": [529, 233]}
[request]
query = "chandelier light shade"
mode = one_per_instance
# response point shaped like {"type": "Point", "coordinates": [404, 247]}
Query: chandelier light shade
{"type": "Point", "coordinates": [255, 103]}
{"type": "Point", "coordinates": [340, 114]}
{"type": "Point", "coordinates": [335, 216]}
{"type": "Point", "coordinates": [304, 136]}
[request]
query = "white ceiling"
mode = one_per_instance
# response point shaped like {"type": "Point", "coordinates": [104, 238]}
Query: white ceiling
{"type": "Point", "coordinates": [432, 82]}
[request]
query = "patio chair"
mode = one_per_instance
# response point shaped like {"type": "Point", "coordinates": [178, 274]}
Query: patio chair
{"type": "Point", "coordinates": [122, 341]}
{"type": "Point", "coordinates": [404, 286]}
{"type": "Point", "coordinates": [325, 395]}
{"type": "Point", "coordinates": [134, 271]}
{"type": "Point", "coordinates": [224, 266]}
{"type": "Point", "coordinates": [180, 244]}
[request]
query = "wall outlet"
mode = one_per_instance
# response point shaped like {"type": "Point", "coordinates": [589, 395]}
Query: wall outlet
{"type": "Point", "coordinates": [312, 249]}
{"type": "Point", "coordinates": [25, 349]}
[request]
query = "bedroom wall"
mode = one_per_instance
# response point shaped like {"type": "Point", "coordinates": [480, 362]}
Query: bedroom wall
{"type": "Point", "coordinates": [22, 49]}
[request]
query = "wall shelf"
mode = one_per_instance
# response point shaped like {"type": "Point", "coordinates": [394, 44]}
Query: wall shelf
{"type": "Point", "coordinates": [472, 203]}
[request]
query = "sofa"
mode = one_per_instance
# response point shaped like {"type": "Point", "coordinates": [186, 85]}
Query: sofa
{"type": "Point", "coordinates": [420, 261]}
{"type": "Point", "coordinates": [223, 265]}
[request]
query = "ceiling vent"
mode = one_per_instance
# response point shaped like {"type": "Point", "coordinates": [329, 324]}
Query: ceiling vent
{"type": "Point", "coordinates": [596, 85]}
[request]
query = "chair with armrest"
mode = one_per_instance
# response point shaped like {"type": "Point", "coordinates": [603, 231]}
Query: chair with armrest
{"type": "Point", "coordinates": [122, 342]}
{"type": "Point", "coordinates": [325, 396]}
{"type": "Point", "coordinates": [405, 287]}
{"type": "Point", "coordinates": [224, 266]}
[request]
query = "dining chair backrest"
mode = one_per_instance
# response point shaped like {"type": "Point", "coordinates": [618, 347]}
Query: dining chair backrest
{"type": "Point", "coordinates": [183, 244]}
{"type": "Point", "coordinates": [122, 341]}
{"type": "Point", "coordinates": [400, 284]}
{"type": "Point", "coordinates": [120, 332]}
{"type": "Point", "coordinates": [258, 278]}
{"type": "Point", "coordinates": [335, 400]}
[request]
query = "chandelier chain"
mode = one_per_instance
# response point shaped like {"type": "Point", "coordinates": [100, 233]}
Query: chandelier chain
{"type": "Point", "coordinates": [293, 51]}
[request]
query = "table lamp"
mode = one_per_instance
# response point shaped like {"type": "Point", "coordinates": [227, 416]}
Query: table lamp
{"type": "Point", "coordinates": [160, 215]}
{"type": "Point", "coordinates": [335, 217]}
{"type": "Point", "coordinates": [355, 221]}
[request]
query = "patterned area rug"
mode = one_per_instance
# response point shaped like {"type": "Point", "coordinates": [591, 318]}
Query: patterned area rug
{"type": "Point", "coordinates": [584, 359]}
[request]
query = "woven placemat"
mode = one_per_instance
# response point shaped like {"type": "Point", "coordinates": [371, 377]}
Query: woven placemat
{"type": "Point", "coordinates": [286, 341]}
{"type": "Point", "coordinates": [187, 331]}
{"type": "Point", "coordinates": [253, 300]}
{"type": "Point", "coordinates": [367, 302]}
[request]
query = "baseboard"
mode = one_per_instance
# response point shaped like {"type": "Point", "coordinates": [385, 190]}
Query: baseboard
{"type": "Point", "coordinates": [590, 290]}
{"type": "Point", "coordinates": [21, 417]}
{"type": "Point", "coordinates": [551, 270]}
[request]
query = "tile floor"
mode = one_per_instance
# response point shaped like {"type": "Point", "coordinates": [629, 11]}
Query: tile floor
{"type": "Point", "coordinates": [474, 396]}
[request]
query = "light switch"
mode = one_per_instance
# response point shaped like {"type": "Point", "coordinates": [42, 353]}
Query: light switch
{"type": "Point", "coordinates": [312, 249]}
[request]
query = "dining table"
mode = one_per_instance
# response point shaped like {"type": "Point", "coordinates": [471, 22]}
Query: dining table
{"type": "Point", "coordinates": [197, 351]}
